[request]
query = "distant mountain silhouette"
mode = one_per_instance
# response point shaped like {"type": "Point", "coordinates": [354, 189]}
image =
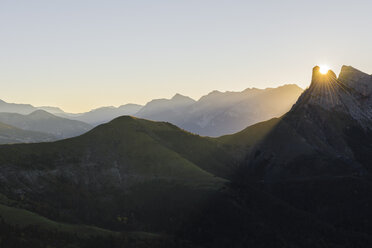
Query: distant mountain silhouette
{"type": "Point", "coordinates": [42, 121]}
{"type": "Point", "coordinates": [221, 113]}
{"type": "Point", "coordinates": [218, 113]}
{"type": "Point", "coordinates": [26, 109]}
{"type": "Point", "coordinates": [173, 110]}
{"type": "Point", "coordinates": [104, 114]}
{"type": "Point", "coordinates": [16, 108]}
{"type": "Point", "coordinates": [52, 110]}
{"type": "Point", "coordinates": [10, 135]}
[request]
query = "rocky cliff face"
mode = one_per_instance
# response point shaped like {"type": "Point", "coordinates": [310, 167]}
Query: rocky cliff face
{"type": "Point", "coordinates": [350, 94]}
{"type": "Point", "coordinates": [327, 132]}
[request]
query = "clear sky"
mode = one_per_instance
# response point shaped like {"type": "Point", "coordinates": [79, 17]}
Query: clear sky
{"type": "Point", "coordinates": [82, 54]}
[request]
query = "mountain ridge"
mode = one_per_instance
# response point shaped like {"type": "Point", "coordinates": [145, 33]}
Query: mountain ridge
{"type": "Point", "coordinates": [45, 122]}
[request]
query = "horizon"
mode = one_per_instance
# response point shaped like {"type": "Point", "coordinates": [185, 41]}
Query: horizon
{"type": "Point", "coordinates": [182, 94]}
{"type": "Point", "coordinates": [159, 98]}
{"type": "Point", "coordinates": [80, 55]}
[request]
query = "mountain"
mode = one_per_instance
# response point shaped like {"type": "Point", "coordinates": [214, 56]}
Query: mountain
{"type": "Point", "coordinates": [225, 113]}
{"type": "Point", "coordinates": [130, 174]}
{"type": "Point", "coordinates": [26, 109]}
{"type": "Point", "coordinates": [44, 122]}
{"type": "Point", "coordinates": [10, 134]}
{"type": "Point", "coordinates": [16, 108]}
{"type": "Point", "coordinates": [172, 110]}
{"type": "Point", "coordinates": [216, 114]}
{"type": "Point", "coordinates": [315, 160]}
{"type": "Point", "coordinates": [327, 132]}
{"type": "Point", "coordinates": [104, 114]}
{"type": "Point", "coordinates": [278, 183]}
{"type": "Point", "coordinates": [52, 110]}
{"type": "Point", "coordinates": [220, 113]}
{"type": "Point", "coordinates": [301, 180]}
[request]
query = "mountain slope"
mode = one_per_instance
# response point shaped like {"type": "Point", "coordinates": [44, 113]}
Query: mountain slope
{"type": "Point", "coordinates": [316, 158]}
{"type": "Point", "coordinates": [138, 175]}
{"type": "Point", "coordinates": [42, 121]}
{"type": "Point", "coordinates": [37, 231]}
{"type": "Point", "coordinates": [16, 108]}
{"type": "Point", "coordinates": [305, 178]}
{"type": "Point", "coordinates": [10, 135]}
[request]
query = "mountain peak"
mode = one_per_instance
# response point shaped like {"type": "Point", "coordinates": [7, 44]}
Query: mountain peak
{"type": "Point", "coordinates": [323, 91]}
{"type": "Point", "coordinates": [357, 80]}
{"type": "Point", "coordinates": [179, 97]}
{"type": "Point", "coordinates": [349, 94]}
{"type": "Point", "coordinates": [320, 79]}
{"type": "Point", "coordinates": [41, 113]}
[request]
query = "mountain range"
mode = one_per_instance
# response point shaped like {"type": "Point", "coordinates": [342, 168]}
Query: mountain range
{"type": "Point", "coordinates": [103, 114]}
{"type": "Point", "coordinates": [300, 180]}
{"type": "Point", "coordinates": [215, 114]}
{"type": "Point", "coordinates": [220, 113]}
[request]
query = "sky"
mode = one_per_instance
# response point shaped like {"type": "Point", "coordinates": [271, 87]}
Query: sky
{"type": "Point", "coordinates": [83, 54]}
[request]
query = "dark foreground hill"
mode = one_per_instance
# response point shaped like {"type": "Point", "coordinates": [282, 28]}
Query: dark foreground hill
{"type": "Point", "coordinates": [127, 175]}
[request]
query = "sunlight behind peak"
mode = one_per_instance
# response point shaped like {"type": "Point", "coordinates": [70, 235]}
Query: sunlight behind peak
{"type": "Point", "coordinates": [324, 69]}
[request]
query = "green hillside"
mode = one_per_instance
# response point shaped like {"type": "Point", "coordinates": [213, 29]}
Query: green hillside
{"type": "Point", "coordinates": [111, 175]}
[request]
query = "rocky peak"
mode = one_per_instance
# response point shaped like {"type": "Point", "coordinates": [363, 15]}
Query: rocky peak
{"type": "Point", "coordinates": [349, 94]}
{"type": "Point", "coordinates": [41, 114]}
{"type": "Point", "coordinates": [357, 80]}
{"type": "Point", "coordinates": [180, 98]}
{"type": "Point", "coordinates": [320, 79]}
{"type": "Point", "coordinates": [324, 90]}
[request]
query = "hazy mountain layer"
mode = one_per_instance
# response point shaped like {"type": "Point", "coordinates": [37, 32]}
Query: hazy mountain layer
{"type": "Point", "coordinates": [218, 113]}
{"type": "Point", "coordinates": [221, 113]}
{"type": "Point", "coordinates": [42, 121]}
{"type": "Point", "coordinates": [16, 108]}
{"type": "Point", "coordinates": [10, 135]}
{"type": "Point", "coordinates": [104, 114]}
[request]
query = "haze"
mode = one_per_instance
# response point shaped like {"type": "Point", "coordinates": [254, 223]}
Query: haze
{"type": "Point", "coordinates": [79, 55]}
